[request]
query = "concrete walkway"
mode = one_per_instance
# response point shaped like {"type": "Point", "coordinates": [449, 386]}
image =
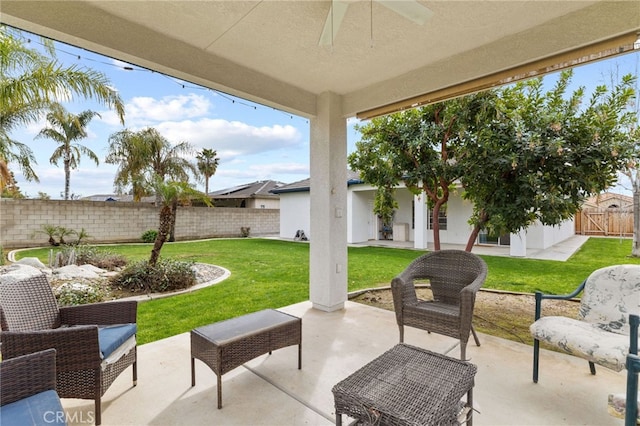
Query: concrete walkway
{"type": "Point", "coordinates": [270, 390]}
{"type": "Point", "coordinates": [561, 251]}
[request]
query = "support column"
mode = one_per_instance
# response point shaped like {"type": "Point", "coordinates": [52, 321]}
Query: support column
{"type": "Point", "coordinates": [328, 188]}
{"type": "Point", "coordinates": [421, 217]}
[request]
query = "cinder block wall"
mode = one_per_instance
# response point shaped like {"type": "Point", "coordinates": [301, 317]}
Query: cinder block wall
{"type": "Point", "coordinates": [114, 222]}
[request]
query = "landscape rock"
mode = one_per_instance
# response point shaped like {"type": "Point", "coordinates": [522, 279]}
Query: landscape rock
{"type": "Point", "coordinates": [32, 261]}
{"type": "Point", "coordinates": [73, 272]}
{"type": "Point", "coordinates": [16, 272]}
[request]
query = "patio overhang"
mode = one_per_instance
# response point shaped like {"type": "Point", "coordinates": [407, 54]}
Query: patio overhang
{"type": "Point", "coordinates": [377, 61]}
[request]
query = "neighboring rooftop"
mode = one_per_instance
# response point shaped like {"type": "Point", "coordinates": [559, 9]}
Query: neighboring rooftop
{"type": "Point", "coordinates": [257, 189]}
{"type": "Point", "coordinates": [251, 195]}
{"type": "Point", "coordinates": [305, 184]}
{"type": "Point", "coordinates": [117, 197]}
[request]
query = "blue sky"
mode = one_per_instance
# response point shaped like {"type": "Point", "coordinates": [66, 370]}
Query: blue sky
{"type": "Point", "coordinates": [253, 142]}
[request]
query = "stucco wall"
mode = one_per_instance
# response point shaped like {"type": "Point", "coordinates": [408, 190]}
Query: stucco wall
{"type": "Point", "coordinates": [111, 222]}
{"type": "Point", "coordinates": [295, 214]}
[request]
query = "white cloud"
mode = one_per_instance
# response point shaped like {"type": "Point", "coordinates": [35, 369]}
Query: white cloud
{"type": "Point", "coordinates": [264, 171]}
{"type": "Point", "coordinates": [231, 139]}
{"type": "Point", "coordinates": [143, 111]}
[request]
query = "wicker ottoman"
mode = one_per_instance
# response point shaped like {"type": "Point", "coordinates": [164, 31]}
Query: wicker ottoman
{"type": "Point", "coordinates": [228, 344]}
{"type": "Point", "coordinates": [407, 386]}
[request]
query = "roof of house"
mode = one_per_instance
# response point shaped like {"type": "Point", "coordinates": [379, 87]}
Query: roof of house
{"type": "Point", "coordinates": [117, 197]}
{"type": "Point", "coordinates": [606, 198]}
{"type": "Point", "coordinates": [353, 178]}
{"type": "Point", "coordinates": [259, 189]}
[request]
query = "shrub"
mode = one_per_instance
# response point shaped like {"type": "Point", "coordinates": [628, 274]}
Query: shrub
{"type": "Point", "coordinates": [149, 236]}
{"type": "Point", "coordinates": [100, 258]}
{"type": "Point", "coordinates": [166, 275]}
{"type": "Point", "coordinates": [77, 293]}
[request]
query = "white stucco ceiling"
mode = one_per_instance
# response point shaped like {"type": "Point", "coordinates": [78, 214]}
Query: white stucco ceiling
{"type": "Point", "coordinates": [267, 51]}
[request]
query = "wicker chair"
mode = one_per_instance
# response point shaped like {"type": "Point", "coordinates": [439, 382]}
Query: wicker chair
{"type": "Point", "coordinates": [28, 390]}
{"type": "Point", "coordinates": [455, 277]}
{"type": "Point", "coordinates": [94, 343]}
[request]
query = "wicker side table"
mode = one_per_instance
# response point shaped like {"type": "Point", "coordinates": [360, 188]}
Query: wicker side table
{"type": "Point", "coordinates": [407, 386]}
{"type": "Point", "coordinates": [228, 344]}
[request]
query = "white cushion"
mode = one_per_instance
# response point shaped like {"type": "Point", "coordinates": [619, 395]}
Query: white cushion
{"type": "Point", "coordinates": [583, 340]}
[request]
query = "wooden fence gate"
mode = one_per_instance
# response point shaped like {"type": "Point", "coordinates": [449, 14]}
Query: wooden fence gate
{"type": "Point", "coordinates": [605, 222]}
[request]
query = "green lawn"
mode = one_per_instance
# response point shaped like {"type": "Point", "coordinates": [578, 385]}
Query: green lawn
{"type": "Point", "coordinates": [268, 273]}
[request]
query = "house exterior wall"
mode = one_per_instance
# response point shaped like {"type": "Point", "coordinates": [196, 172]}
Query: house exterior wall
{"type": "Point", "coordinates": [543, 237]}
{"type": "Point", "coordinates": [295, 214]}
{"type": "Point", "coordinates": [114, 222]}
{"type": "Point", "coordinates": [359, 208]}
{"type": "Point", "coordinates": [458, 213]}
{"type": "Point", "coordinates": [404, 214]}
{"type": "Point", "coordinates": [263, 203]}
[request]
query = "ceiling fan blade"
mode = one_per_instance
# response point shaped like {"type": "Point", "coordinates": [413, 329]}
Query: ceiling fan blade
{"type": "Point", "coordinates": [410, 9]}
{"type": "Point", "coordinates": [334, 19]}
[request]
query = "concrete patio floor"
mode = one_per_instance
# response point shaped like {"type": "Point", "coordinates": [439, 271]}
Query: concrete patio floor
{"type": "Point", "coordinates": [270, 390]}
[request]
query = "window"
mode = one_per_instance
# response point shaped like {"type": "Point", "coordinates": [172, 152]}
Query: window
{"type": "Point", "coordinates": [442, 219]}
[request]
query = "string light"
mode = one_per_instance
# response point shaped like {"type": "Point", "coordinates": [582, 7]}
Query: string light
{"type": "Point", "coordinates": [17, 34]}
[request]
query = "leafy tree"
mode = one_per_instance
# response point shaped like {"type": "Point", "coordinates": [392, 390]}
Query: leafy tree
{"type": "Point", "coordinates": [521, 154]}
{"type": "Point", "coordinates": [418, 147]}
{"type": "Point", "coordinates": [65, 128]}
{"type": "Point", "coordinates": [30, 81]}
{"type": "Point", "coordinates": [144, 156]}
{"type": "Point", "coordinates": [207, 165]}
{"type": "Point", "coordinates": [543, 154]}
{"type": "Point", "coordinates": [11, 188]}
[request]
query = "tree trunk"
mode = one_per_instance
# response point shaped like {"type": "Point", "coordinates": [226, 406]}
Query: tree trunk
{"type": "Point", "coordinates": [635, 247]}
{"type": "Point", "coordinates": [472, 238]}
{"type": "Point", "coordinates": [67, 178]}
{"type": "Point", "coordinates": [163, 231]}
{"type": "Point", "coordinates": [476, 231]}
{"type": "Point", "coordinates": [174, 212]}
{"type": "Point", "coordinates": [435, 219]}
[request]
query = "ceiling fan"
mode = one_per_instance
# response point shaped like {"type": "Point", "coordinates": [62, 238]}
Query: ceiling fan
{"type": "Point", "coordinates": [410, 9]}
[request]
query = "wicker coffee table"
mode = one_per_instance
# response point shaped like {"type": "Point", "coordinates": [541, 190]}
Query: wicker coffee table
{"type": "Point", "coordinates": [407, 386]}
{"type": "Point", "coordinates": [228, 344]}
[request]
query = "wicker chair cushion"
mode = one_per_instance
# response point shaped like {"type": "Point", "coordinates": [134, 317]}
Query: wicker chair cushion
{"type": "Point", "coordinates": [610, 295]}
{"type": "Point", "coordinates": [583, 340]}
{"type": "Point", "coordinates": [112, 337]}
{"type": "Point", "coordinates": [29, 305]}
{"type": "Point", "coordinates": [43, 408]}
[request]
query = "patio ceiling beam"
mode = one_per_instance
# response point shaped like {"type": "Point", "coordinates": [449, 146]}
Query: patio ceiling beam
{"type": "Point", "coordinates": [619, 45]}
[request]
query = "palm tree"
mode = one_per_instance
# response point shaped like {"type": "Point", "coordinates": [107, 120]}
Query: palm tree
{"type": "Point", "coordinates": [207, 165]}
{"type": "Point", "coordinates": [30, 81]}
{"type": "Point", "coordinates": [129, 151]}
{"type": "Point", "coordinates": [65, 128]}
{"type": "Point", "coordinates": [171, 194]}
{"type": "Point", "coordinates": [144, 155]}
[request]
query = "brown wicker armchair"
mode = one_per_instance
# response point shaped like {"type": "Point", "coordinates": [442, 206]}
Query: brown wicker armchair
{"type": "Point", "coordinates": [28, 390]}
{"type": "Point", "coordinates": [455, 277]}
{"type": "Point", "coordinates": [94, 343]}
